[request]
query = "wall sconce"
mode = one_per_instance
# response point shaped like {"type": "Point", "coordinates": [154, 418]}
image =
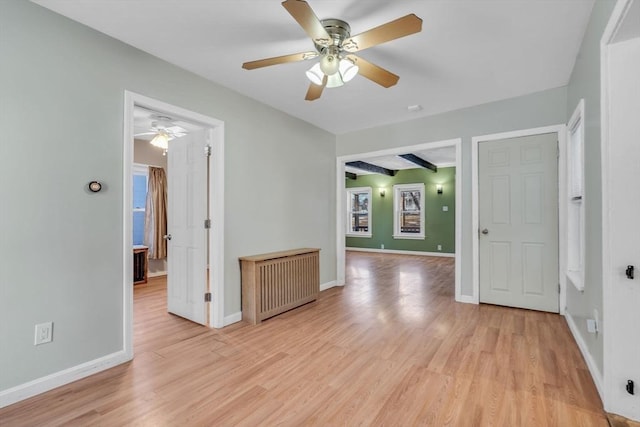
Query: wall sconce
{"type": "Point", "coordinates": [382, 192]}
{"type": "Point", "coordinates": [439, 188]}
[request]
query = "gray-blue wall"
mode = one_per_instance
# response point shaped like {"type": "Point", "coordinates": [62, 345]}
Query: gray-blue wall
{"type": "Point", "coordinates": [61, 114]}
{"type": "Point", "coordinates": [585, 83]}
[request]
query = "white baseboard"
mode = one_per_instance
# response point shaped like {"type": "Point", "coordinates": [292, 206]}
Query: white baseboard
{"type": "Point", "coordinates": [232, 318]}
{"type": "Point", "coordinates": [328, 285]}
{"type": "Point", "coordinates": [237, 317]}
{"type": "Point", "coordinates": [465, 299]}
{"type": "Point", "coordinates": [591, 364]}
{"type": "Point", "coordinates": [392, 251]}
{"type": "Point", "coordinates": [157, 274]}
{"type": "Point", "coordinates": [49, 382]}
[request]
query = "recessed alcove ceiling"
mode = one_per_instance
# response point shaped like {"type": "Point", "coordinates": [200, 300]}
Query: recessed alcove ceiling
{"type": "Point", "coordinates": [469, 52]}
{"type": "Point", "coordinates": [439, 157]}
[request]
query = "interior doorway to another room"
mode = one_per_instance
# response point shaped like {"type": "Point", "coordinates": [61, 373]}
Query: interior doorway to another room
{"type": "Point", "coordinates": [173, 208]}
{"type": "Point", "coordinates": [404, 200]}
{"type": "Point", "coordinates": [170, 201]}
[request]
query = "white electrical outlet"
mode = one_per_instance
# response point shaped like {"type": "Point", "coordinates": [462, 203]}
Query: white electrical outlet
{"type": "Point", "coordinates": [381, 245]}
{"type": "Point", "coordinates": [44, 333]}
{"type": "Point", "coordinates": [439, 247]}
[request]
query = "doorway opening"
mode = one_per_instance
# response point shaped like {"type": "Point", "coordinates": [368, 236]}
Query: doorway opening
{"type": "Point", "coordinates": [191, 137]}
{"type": "Point", "coordinates": [409, 224]}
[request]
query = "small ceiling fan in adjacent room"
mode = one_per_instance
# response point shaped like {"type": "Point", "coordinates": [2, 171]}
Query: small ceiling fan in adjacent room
{"type": "Point", "coordinates": [335, 46]}
{"type": "Point", "coordinates": [163, 130]}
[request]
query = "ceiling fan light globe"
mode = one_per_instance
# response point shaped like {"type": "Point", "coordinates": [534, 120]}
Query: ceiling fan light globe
{"type": "Point", "coordinates": [334, 80]}
{"type": "Point", "coordinates": [315, 75]}
{"type": "Point", "coordinates": [329, 64]}
{"type": "Point", "coordinates": [348, 70]}
{"type": "Point", "coordinates": [161, 140]}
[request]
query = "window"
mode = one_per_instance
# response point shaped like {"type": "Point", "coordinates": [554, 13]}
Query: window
{"type": "Point", "coordinates": [359, 212]}
{"type": "Point", "coordinates": [408, 221]}
{"type": "Point", "coordinates": [575, 201]}
{"type": "Point", "coordinates": [140, 178]}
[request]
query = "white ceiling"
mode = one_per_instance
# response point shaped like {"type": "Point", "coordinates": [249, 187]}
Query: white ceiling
{"type": "Point", "coordinates": [469, 52]}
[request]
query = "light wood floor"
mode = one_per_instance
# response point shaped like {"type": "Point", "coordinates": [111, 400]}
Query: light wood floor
{"type": "Point", "coordinates": [390, 348]}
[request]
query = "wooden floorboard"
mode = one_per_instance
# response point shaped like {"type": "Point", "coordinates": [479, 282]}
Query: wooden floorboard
{"type": "Point", "coordinates": [618, 421]}
{"type": "Point", "coordinates": [389, 348]}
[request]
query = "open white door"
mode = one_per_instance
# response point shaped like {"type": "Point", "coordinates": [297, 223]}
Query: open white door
{"type": "Point", "coordinates": [621, 234]}
{"type": "Point", "coordinates": [187, 211]}
{"type": "Point", "coordinates": [518, 218]}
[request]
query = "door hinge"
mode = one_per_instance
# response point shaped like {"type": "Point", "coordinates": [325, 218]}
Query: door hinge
{"type": "Point", "coordinates": [207, 224]}
{"type": "Point", "coordinates": [207, 297]}
{"type": "Point", "coordinates": [207, 150]}
{"type": "Point", "coordinates": [558, 287]}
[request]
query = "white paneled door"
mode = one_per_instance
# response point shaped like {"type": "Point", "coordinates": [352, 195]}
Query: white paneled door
{"type": "Point", "coordinates": [186, 213]}
{"type": "Point", "coordinates": [518, 218]}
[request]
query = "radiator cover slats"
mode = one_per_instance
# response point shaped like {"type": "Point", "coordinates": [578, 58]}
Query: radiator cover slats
{"type": "Point", "coordinates": [279, 281]}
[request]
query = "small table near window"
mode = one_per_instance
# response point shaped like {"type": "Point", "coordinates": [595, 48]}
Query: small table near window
{"type": "Point", "coordinates": [140, 257]}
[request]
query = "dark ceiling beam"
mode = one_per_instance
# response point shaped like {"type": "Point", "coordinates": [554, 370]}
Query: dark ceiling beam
{"type": "Point", "coordinates": [371, 168]}
{"type": "Point", "coordinates": [350, 175]}
{"type": "Point", "coordinates": [419, 161]}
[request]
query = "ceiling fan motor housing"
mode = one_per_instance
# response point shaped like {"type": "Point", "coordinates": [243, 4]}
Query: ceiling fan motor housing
{"type": "Point", "coordinates": [339, 31]}
{"type": "Point", "coordinates": [161, 122]}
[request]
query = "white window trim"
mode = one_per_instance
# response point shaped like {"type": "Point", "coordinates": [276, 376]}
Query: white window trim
{"type": "Point", "coordinates": [397, 234]}
{"type": "Point", "coordinates": [575, 274]}
{"type": "Point", "coordinates": [140, 169]}
{"type": "Point", "coordinates": [349, 232]}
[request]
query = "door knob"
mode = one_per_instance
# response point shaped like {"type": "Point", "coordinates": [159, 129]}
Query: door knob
{"type": "Point", "coordinates": [485, 231]}
{"type": "Point", "coordinates": [167, 237]}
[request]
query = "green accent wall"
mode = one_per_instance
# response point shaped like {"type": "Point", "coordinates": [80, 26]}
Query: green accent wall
{"type": "Point", "coordinates": [439, 225]}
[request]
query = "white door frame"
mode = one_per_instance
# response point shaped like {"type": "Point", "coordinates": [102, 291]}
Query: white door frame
{"type": "Point", "coordinates": [616, 20]}
{"type": "Point", "coordinates": [216, 207]}
{"type": "Point", "coordinates": [560, 130]}
{"type": "Point", "coordinates": [341, 197]}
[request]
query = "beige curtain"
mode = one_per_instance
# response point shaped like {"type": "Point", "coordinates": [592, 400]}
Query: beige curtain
{"type": "Point", "coordinates": [155, 222]}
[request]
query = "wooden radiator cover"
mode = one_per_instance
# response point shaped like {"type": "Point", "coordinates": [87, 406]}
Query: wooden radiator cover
{"type": "Point", "coordinates": [278, 281]}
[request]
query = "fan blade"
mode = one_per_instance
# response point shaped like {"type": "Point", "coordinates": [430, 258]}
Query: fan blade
{"type": "Point", "coordinates": [145, 133]}
{"type": "Point", "coordinates": [303, 56]}
{"type": "Point", "coordinates": [401, 27]}
{"type": "Point", "coordinates": [302, 12]}
{"type": "Point", "coordinates": [315, 91]}
{"type": "Point", "coordinates": [374, 73]}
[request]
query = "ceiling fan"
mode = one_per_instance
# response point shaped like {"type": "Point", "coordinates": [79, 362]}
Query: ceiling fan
{"type": "Point", "coordinates": [336, 47]}
{"type": "Point", "coordinates": [164, 129]}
